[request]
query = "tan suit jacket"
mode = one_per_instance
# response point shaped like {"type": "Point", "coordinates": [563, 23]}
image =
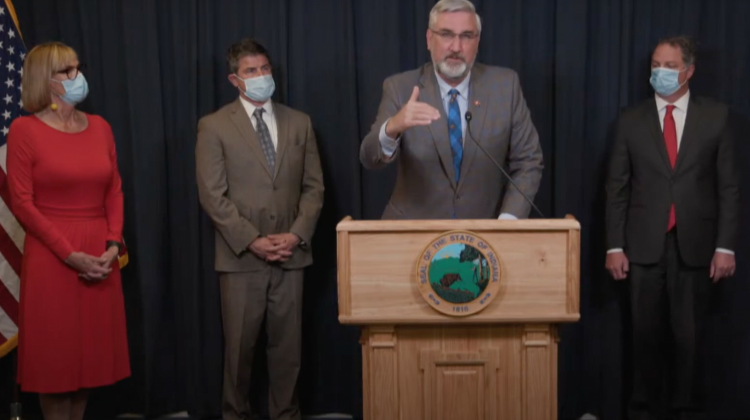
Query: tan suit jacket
{"type": "Point", "coordinates": [241, 195]}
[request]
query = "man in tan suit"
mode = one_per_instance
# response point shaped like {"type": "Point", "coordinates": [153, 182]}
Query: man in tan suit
{"type": "Point", "coordinates": [422, 125]}
{"type": "Point", "coordinates": [260, 181]}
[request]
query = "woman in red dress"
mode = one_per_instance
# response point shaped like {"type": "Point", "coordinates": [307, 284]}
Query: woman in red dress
{"type": "Point", "coordinates": [65, 191]}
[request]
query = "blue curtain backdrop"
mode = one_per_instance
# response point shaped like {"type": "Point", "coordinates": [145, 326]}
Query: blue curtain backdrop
{"type": "Point", "coordinates": [156, 67]}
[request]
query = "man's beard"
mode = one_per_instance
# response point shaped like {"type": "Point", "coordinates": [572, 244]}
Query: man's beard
{"type": "Point", "coordinates": [453, 71]}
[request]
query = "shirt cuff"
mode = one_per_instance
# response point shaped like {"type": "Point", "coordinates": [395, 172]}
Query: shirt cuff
{"type": "Point", "coordinates": [725, 251]}
{"type": "Point", "coordinates": [613, 250]}
{"type": "Point", "coordinates": [507, 216]}
{"type": "Point", "coordinates": [388, 144]}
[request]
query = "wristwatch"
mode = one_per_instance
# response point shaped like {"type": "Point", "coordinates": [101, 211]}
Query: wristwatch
{"type": "Point", "coordinates": [114, 243]}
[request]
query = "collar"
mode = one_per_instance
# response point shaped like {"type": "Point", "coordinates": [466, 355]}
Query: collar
{"type": "Point", "coordinates": [462, 88]}
{"type": "Point", "coordinates": [250, 108]}
{"type": "Point", "coordinates": [681, 104]}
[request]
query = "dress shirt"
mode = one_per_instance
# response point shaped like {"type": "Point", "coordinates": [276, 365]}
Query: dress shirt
{"type": "Point", "coordinates": [679, 113]}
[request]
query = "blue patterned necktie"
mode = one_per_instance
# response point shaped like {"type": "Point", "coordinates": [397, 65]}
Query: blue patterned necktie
{"type": "Point", "coordinates": [265, 138]}
{"type": "Point", "coordinates": [454, 128]}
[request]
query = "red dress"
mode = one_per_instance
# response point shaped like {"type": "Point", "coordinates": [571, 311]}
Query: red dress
{"type": "Point", "coordinates": [65, 192]}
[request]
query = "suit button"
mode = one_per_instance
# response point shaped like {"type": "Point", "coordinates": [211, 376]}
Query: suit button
{"type": "Point", "coordinates": [458, 197]}
{"type": "Point", "coordinates": [272, 217]}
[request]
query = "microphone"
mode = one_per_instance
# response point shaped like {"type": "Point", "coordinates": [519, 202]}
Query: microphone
{"type": "Point", "coordinates": [467, 116]}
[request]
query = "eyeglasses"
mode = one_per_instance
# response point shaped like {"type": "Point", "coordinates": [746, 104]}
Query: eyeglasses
{"type": "Point", "coordinates": [71, 72]}
{"type": "Point", "coordinates": [448, 36]}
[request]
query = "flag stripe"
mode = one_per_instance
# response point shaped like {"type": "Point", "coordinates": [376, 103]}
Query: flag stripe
{"type": "Point", "coordinates": [4, 157]}
{"type": "Point", "coordinates": [8, 328]}
{"type": "Point", "coordinates": [10, 251]}
{"type": "Point", "coordinates": [11, 226]}
{"type": "Point", "coordinates": [8, 305]}
{"type": "Point", "coordinates": [10, 279]}
{"type": "Point", "coordinates": [7, 219]}
{"type": "Point", "coordinates": [4, 191]}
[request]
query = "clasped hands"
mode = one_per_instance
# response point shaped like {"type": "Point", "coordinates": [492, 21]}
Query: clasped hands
{"type": "Point", "coordinates": [274, 247]}
{"type": "Point", "coordinates": [93, 268]}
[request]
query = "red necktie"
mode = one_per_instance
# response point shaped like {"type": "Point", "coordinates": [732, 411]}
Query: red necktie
{"type": "Point", "coordinates": [670, 138]}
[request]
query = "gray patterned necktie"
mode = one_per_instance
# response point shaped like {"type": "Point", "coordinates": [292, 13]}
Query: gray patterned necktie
{"type": "Point", "coordinates": [265, 138]}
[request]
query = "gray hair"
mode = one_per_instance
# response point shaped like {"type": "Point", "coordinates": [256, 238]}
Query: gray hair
{"type": "Point", "coordinates": [449, 6]}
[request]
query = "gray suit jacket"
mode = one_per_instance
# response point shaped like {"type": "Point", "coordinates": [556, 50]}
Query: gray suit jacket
{"type": "Point", "coordinates": [243, 198]}
{"type": "Point", "coordinates": [425, 186]}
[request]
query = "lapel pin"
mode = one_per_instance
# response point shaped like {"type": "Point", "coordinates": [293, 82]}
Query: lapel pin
{"type": "Point", "coordinates": [476, 103]}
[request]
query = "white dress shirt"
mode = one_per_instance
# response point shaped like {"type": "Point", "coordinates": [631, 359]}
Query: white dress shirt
{"type": "Point", "coordinates": [390, 145]}
{"type": "Point", "coordinates": [679, 113]}
{"type": "Point", "coordinates": [268, 117]}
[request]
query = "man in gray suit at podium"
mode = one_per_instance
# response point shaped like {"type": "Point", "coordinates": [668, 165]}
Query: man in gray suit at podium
{"type": "Point", "coordinates": [430, 118]}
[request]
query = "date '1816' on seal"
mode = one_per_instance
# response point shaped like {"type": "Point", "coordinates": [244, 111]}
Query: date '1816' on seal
{"type": "Point", "coordinates": [458, 273]}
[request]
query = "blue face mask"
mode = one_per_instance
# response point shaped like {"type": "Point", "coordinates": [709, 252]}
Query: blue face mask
{"type": "Point", "coordinates": [76, 90]}
{"type": "Point", "coordinates": [665, 81]}
{"type": "Point", "coordinates": [259, 88]}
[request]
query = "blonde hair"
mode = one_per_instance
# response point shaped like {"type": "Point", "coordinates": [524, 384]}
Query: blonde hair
{"type": "Point", "coordinates": [40, 64]}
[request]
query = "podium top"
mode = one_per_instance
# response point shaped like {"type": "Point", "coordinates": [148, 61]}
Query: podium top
{"type": "Point", "coordinates": [478, 225]}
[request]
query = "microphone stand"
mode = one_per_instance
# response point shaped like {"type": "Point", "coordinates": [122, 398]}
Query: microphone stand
{"type": "Point", "coordinates": [468, 116]}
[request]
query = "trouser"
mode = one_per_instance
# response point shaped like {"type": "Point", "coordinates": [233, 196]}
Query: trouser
{"type": "Point", "coordinates": [246, 299]}
{"type": "Point", "coordinates": [669, 305]}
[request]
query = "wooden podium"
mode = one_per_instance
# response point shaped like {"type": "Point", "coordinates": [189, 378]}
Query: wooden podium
{"type": "Point", "coordinates": [423, 361]}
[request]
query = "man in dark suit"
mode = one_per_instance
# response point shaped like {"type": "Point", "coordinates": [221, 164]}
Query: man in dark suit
{"type": "Point", "coordinates": [421, 124]}
{"type": "Point", "coordinates": [260, 182]}
{"type": "Point", "coordinates": [672, 223]}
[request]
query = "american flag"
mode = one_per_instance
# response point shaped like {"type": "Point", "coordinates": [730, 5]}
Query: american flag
{"type": "Point", "coordinates": [12, 54]}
